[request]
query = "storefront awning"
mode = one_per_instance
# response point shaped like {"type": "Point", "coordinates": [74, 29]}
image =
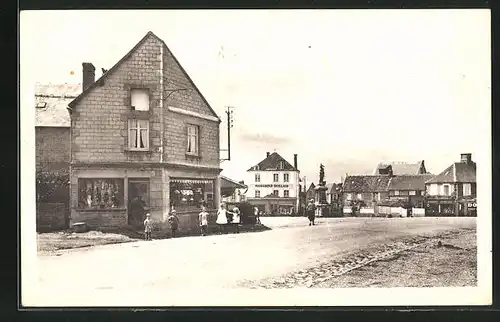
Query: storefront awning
{"type": "Point", "coordinates": [191, 181]}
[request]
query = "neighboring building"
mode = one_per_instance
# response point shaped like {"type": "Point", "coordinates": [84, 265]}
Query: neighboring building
{"type": "Point", "coordinates": [453, 192]}
{"type": "Point", "coordinates": [365, 190]}
{"type": "Point", "coordinates": [273, 185]}
{"type": "Point", "coordinates": [232, 191]}
{"type": "Point", "coordinates": [410, 189]}
{"type": "Point", "coordinates": [137, 140]}
{"type": "Point", "coordinates": [334, 198]}
{"type": "Point", "coordinates": [400, 168]}
{"type": "Point", "coordinates": [311, 192]}
{"type": "Point", "coordinates": [52, 151]}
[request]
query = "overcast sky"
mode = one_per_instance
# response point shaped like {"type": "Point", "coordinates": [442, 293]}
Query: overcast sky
{"type": "Point", "coordinates": [344, 88]}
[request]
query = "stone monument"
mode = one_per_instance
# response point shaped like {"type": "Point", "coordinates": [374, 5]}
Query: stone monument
{"type": "Point", "coordinates": [322, 206]}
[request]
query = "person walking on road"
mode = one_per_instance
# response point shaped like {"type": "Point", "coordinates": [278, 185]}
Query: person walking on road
{"type": "Point", "coordinates": [173, 220]}
{"type": "Point", "coordinates": [203, 219]}
{"type": "Point", "coordinates": [257, 216]}
{"type": "Point", "coordinates": [311, 212]}
{"type": "Point", "coordinates": [222, 218]}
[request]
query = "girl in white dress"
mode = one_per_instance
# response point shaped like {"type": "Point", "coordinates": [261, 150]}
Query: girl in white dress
{"type": "Point", "coordinates": [222, 218]}
{"type": "Point", "coordinates": [236, 218]}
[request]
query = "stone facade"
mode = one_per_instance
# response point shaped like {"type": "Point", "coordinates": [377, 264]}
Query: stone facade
{"type": "Point", "coordinates": [52, 148]}
{"type": "Point", "coordinates": [100, 134]}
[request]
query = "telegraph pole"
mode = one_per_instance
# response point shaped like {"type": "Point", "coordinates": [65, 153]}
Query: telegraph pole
{"type": "Point", "coordinates": [230, 122]}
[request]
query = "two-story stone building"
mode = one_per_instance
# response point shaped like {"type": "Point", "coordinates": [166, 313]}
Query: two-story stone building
{"type": "Point", "coordinates": [142, 136]}
{"type": "Point", "coordinates": [453, 192]}
{"type": "Point", "coordinates": [274, 185]}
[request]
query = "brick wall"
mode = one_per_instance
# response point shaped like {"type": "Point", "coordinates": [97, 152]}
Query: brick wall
{"type": "Point", "coordinates": [52, 148]}
{"type": "Point", "coordinates": [100, 119]}
{"type": "Point", "coordinates": [99, 219]}
{"type": "Point", "coordinates": [51, 216]}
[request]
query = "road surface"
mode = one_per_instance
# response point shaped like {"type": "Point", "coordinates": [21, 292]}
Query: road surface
{"type": "Point", "coordinates": [221, 261]}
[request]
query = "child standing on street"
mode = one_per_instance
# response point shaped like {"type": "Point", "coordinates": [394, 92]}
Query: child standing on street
{"type": "Point", "coordinates": [236, 218]}
{"type": "Point", "coordinates": [203, 219]}
{"type": "Point", "coordinates": [173, 220]}
{"type": "Point", "coordinates": [148, 227]}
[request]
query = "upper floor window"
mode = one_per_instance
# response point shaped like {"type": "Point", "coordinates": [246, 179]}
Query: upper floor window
{"type": "Point", "coordinates": [413, 192]}
{"type": "Point", "coordinates": [193, 139]}
{"type": "Point", "coordinates": [257, 177]}
{"type": "Point", "coordinates": [138, 134]}
{"type": "Point", "coordinates": [276, 193]}
{"type": "Point", "coordinates": [286, 193]}
{"type": "Point", "coordinates": [348, 196]}
{"type": "Point", "coordinates": [281, 165]}
{"type": "Point", "coordinates": [467, 189]}
{"type": "Point", "coordinates": [257, 193]}
{"type": "Point", "coordinates": [446, 190]}
{"type": "Point", "coordinates": [359, 196]}
{"type": "Point", "coordinates": [139, 99]}
{"type": "Point", "coordinates": [396, 192]}
{"type": "Point", "coordinates": [275, 177]}
{"type": "Point", "coordinates": [286, 177]}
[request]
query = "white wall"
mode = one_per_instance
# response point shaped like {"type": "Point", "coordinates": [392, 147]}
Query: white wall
{"type": "Point", "coordinates": [266, 178]}
{"type": "Point", "coordinates": [437, 189]}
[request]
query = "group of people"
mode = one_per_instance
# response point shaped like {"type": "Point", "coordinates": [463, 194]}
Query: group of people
{"type": "Point", "coordinates": [227, 218]}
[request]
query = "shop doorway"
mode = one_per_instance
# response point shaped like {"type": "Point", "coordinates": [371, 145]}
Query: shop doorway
{"type": "Point", "coordinates": [139, 201]}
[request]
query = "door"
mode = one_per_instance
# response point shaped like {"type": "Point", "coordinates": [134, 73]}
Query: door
{"type": "Point", "coordinates": [139, 201]}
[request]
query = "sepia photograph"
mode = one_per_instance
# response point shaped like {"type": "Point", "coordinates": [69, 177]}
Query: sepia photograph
{"type": "Point", "coordinates": [255, 158]}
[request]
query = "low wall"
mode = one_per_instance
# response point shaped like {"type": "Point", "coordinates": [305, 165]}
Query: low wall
{"type": "Point", "coordinates": [51, 216]}
{"type": "Point", "coordinates": [418, 212]}
{"type": "Point", "coordinates": [367, 211]}
{"type": "Point", "coordinates": [97, 218]}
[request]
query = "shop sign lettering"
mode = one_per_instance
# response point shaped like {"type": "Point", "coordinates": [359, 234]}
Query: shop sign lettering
{"type": "Point", "coordinates": [271, 186]}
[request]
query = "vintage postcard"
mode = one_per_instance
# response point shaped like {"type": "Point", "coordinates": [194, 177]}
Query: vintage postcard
{"type": "Point", "coordinates": [255, 158]}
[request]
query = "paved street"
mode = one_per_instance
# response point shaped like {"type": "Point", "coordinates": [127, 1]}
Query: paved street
{"type": "Point", "coordinates": [230, 261]}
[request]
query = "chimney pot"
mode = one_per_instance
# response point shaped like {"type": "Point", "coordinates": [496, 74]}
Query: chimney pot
{"type": "Point", "coordinates": [466, 157]}
{"type": "Point", "coordinates": [88, 75]}
{"type": "Point", "coordinates": [295, 161]}
{"type": "Point", "coordinates": [267, 154]}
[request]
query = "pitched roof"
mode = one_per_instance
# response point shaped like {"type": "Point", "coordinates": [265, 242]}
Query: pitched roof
{"type": "Point", "coordinates": [229, 183]}
{"type": "Point", "coordinates": [400, 168]}
{"type": "Point", "coordinates": [56, 98]}
{"type": "Point", "coordinates": [311, 187]}
{"type": "Point", "coordinates": [409, 182]}
{"type": "Point", "coordinates": [124, 58]}
{"type": "Point", "coordinates": [457, 172]}
{"type": "Point", "coordinates": [271, 163]}
{"type": "Point", "coordinates": [367, 183]}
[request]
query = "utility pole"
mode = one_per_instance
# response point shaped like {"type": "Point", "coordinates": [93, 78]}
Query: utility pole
{"type": "Point", "coordinates": [230, 121]}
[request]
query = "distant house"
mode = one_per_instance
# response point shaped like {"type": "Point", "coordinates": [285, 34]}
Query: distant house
{"type": "Point", "coordinates": [409, 189]}
{"type": "Point", "coordinates": [365, 190]}
{"type": "Point", "coordinates": [311, 192]}
{"type": "Point", "coordinates": [334, 197]}
{"type": "Point", "coordinates": [52, 152]}
{"type": "Point", "coordinates": [400, 168]}
{"type": "Point", "coordinates": [453, 192]}
{"type": "Point", "coordinates": [232, 191]}
{"type": "Point", "coordinates": [273, 185]}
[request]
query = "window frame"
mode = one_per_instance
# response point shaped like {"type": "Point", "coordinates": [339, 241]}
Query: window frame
{"type": "Point", "coordinates": [286, 177]}
{"type": "Point", "coordinates": [412, 193]}
{"type": "Point", "coordinates": [138, 133]}
{"type": "Point", "coordinates": [396, 192]}
{"type": "Point", "coordinates": [276, 193]}
{"type": "Point", "coordinates": [276, 177]}
{"type": "Point", "coordinates": [257, 177]}
{"type": "Point", "coordinates": [446, 186]}
{"type": "Point", "coordinates": [147, 92]}
{"type": "Point", "coordinates": [82, 183]}
{"type": "Point", "coordinates": [197, 137]}
{"type": "Point", "coordinates": [286, 193]}
{"type": "Point", "coordinates": [469, 189]}
{"type": "Point", "coordinates": [257, 193]}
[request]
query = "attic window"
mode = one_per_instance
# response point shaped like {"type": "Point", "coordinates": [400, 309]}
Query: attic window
{"type": "Point", "coordinates": [41, 105]}
{"type": "Point", "coordinates": [139, 98]}
{"type": "Point", "coordinates": [281, 165]}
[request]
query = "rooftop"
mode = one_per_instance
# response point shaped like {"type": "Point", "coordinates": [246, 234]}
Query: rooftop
{"type": "Point", "coordinates": [51, 102]}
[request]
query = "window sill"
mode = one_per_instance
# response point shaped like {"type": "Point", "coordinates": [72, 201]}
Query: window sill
{"type": "Point", "coordinates": [99, 209]}
{"type": "Point", "coordinates": [137, 150]}
{"type": "Point", "coordinates": [193, 155]}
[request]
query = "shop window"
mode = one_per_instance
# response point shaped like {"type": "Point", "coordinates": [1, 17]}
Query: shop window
{"type": "Point", "coordinates": [286, 193]}
{"type": "Point", "coordinates": [193, 132]}
{"type": "Point", "coordinates": [275, 177]}
{"type": "Point", "coordinates": [257, 193]}
{"type": "Point", "coordinates": [139, 99]}
{"type": "Point", "coordinates": [186, 195]}
{"type": "Point", "coordinates": [100, 193]}
{"type": "Point", "coordinates": [138, 135]}
{"type": "Point", "coordinates": [257, 177]}
{"type": "Point", "coordinates": [286, 177]}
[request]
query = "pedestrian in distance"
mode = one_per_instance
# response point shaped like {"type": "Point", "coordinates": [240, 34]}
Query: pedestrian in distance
{"type": "Point", "coordinates": [203, 219]}
{"type": "Point", "coordinates": [148, 227]}
{"type": "Point", "coordinates": [310, 210]}
{"type": "Point", "coordinates": [257, 215]}
{"type": "Point", "coordinates": [222, 218]}
{"type": "Point", "coordinates": [173, 220]}
{"type": "Point", "coordinates": [236, 218]}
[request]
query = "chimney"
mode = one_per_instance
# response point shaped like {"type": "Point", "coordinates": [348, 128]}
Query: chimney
{"type": "Point", "coordinates": [267, 154]}
{"type": "Point", "coordinates": [466, 157]}
{"type": "Point", "coordinates": [88, 75]}
{"type": "Point", "coordinates": [295, 161]}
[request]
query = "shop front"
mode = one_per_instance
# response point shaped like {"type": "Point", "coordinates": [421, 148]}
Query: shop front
{"type": "Point", "coordinates": [275, 206]}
